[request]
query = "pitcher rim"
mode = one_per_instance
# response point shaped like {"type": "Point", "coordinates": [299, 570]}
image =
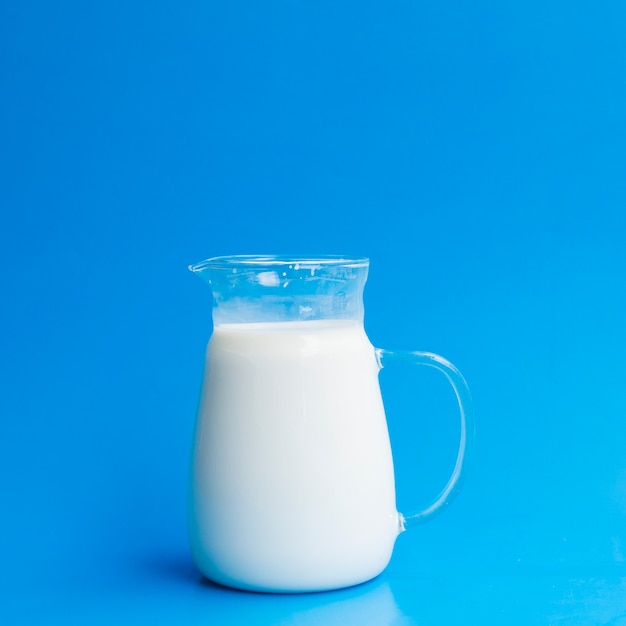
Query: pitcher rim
{"type": "Point", "coordinates": [279, 260]}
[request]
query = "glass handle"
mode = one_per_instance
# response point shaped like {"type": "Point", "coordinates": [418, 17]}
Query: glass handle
{"type": "Point", "coordinates": [455, 378]}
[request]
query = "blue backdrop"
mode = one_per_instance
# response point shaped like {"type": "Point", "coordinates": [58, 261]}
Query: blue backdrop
{"type": "Point", "coordinates": [475, 151]}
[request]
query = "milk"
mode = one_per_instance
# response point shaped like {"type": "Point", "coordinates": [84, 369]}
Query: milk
{"type": "Point", "coordinates": [292, 477]}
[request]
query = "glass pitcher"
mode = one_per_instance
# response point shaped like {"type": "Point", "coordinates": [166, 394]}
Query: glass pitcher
{"type": "Point", "coordinates": [292, 483]}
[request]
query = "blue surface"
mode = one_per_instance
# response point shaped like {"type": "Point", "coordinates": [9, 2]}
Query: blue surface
{"type": "Point", "coordinates": [476, 152]}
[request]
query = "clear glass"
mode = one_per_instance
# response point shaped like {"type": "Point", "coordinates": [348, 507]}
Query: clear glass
{"type": "Point", "coordinates": [248, 289]}
{"type": "Point", "coordinates": [292, 486]}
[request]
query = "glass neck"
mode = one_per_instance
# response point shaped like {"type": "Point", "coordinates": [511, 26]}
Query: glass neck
{"type": "Point", "coordinates": [250, 289]}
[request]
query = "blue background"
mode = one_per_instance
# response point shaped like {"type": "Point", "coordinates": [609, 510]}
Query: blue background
{"type": "Point", "coordinates": [475, 151]}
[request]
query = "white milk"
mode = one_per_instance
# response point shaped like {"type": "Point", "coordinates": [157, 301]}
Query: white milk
{"type": "Point", "coordinates": [292, 485]}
